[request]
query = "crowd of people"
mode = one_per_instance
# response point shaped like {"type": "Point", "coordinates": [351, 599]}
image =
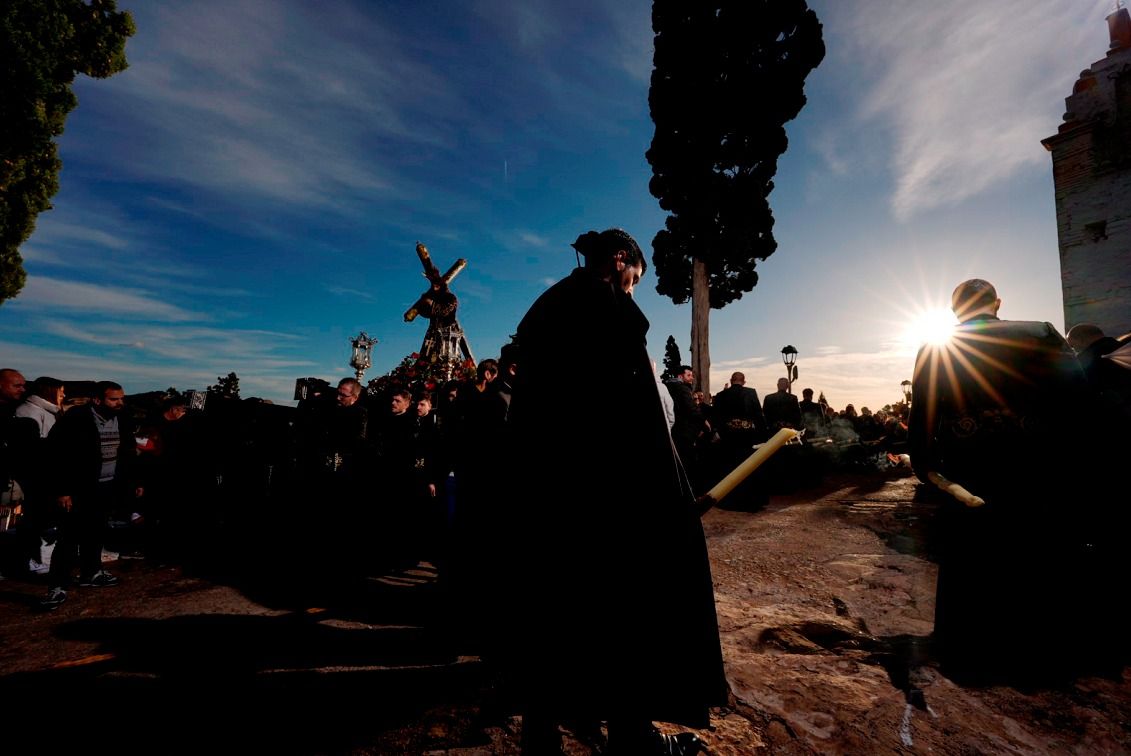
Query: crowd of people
{"type": "Point", "coordinates": [714, 434]}
{"type": "Point", "coordinates": [460, 477]}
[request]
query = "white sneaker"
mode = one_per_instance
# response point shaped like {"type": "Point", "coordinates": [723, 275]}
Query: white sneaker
{"type": "Point", "coordinates": [109, 556]}
{"type": "Point", "coordinates": [37, 568]}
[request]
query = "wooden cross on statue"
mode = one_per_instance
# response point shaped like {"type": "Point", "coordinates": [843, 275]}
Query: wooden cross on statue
{"type": "Point", "coordinates": [444, 339]}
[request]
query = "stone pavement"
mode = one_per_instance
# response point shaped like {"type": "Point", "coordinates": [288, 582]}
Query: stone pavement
{"type": "Point", "coordinates": [825, 601]}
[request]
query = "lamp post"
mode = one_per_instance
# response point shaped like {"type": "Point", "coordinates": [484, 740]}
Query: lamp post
{"type": "Point", "coordinates": [362, 357]}
{"type": "Point", "coordinates": [905, 386]}
{"type": "Point", "coordinates": [789, 357]}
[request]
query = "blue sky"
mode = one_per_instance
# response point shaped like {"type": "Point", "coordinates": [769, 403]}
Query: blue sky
{"type": "Point", "coordinates": [248, 194]}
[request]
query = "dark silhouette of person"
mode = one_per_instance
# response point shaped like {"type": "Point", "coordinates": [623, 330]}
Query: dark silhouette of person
{"type": "Point", "coordinates": [997, 409]}
{"type": "Point", "coordinates": [740, 423]}
{"type": "Point", "coordinates": [781, 408]}
{"type": "Point", "coordinates": [690, 424]}
{"type": "Point", "coordinates": [812, 414]}
{"type": "Point", "coordinates": [1110, 380]}
{"type": "Point", "coordinates": [737, 408]}
{"type": "Point", "coordinates": [615, 615]}
{"type": "Point", "coordinates": [95, 454]}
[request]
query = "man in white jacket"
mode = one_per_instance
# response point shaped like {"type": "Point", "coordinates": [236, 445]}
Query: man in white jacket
{"type": "Point", "coordinates": [43, 404]}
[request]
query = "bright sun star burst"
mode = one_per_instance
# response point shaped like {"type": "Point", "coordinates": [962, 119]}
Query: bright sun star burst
{"type": "Point", "coordinates": [932, 326]}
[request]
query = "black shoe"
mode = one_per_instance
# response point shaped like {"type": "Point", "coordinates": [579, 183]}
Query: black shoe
{"type": "Point", "coordinates": [682, 744]}
{"type": "Point", "coordinates": [54, 598]}
{"type": "Point", "coordinates": [100, 579]}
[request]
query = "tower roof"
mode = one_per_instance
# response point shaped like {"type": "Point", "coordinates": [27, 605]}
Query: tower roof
{"type": "Point", "coordinates": [1119, 27]}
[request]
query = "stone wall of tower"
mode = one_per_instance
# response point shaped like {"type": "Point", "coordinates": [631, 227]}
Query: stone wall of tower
{"type": "Point", "coordinates": [1091, 158]}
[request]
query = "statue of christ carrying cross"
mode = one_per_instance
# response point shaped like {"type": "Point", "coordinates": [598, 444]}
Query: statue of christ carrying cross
{"type": "Point", "coordinates": [444, 339]}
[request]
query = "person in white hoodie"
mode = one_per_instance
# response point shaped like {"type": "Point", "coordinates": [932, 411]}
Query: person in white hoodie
{"type": "Point", "coordinates": [43, 403]}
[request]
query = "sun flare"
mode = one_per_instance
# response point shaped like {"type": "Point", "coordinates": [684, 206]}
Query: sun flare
{"type": "Point", "coordinates": [932, 326]}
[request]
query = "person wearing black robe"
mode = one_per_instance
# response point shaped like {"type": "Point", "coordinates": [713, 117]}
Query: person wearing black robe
{"type": "Point", "coordinates": [615, 616]}
{"type": "Point", "coordinates": [998, 410]}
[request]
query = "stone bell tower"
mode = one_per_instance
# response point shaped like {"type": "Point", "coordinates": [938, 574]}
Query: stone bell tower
{"type": "Point", "coordinates": [1091, 165]}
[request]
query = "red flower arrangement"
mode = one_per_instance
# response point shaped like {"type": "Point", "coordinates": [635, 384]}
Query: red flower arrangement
{"type": "Point", "coordinates": [418, 374]}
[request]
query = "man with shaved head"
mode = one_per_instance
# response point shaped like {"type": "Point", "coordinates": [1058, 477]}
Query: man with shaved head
{"type": "Point", "coordinates": [997, 410]}
{"type": "Point", "coordinates": [738, 411]}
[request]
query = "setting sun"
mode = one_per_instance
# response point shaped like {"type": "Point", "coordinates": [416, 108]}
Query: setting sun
{"type": "Point", "coordinates": [932, 326]}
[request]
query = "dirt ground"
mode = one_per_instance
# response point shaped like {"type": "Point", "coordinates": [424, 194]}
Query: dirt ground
{"type": "Point", "coordinates": [825, 601]}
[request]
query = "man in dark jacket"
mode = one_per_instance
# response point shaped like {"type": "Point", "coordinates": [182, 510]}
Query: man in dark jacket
{"type": "Point", "coordinates": [690, 424]}
{"type": "Point", "coordinates": [93, 448]}
{"type": "Point", "coordinates": [737, 408]}
{"type": "Point", "coordinates": [995, 410]}
{"type": "Point", "coordinates": [781, 408]}
{"type": "Point", "coordinates": [739, 420]}
{"type": "Point", "coordinates": [812, 414]}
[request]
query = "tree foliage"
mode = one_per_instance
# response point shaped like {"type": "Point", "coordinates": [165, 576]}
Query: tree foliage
{"type": "Point", "coordinates": [672, 360]}
{"type": "Point", "coordinates": [44, 44]}
{"type": "Point", "coordinates": [728, 76]}
{"type": "Point", "coordinates": [227, 386]}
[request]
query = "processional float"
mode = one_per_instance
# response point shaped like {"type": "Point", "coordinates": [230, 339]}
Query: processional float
{"type": "Point", "coordinates": [444, 341]}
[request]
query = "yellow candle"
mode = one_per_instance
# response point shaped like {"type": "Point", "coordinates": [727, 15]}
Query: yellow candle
{"type": "Point", "coordinates": [749, 465]}
{"type": "Point", "coordinates": [955, 490]}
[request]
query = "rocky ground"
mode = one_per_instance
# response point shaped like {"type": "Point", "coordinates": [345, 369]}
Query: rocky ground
{"type": "Point", "coordinates": [825, 601]}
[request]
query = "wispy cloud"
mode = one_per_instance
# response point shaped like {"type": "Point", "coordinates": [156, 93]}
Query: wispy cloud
{"type": "Point", "coordinates": [135, 376]}
{"type": "Point", "coordinates": [56, 294]}
{"type": "Point", "coordinates": [832, 153]}
{"type": "Point", "coordinates": [345, 291]}
{"type": "Point", "coordinates": [632, 23]}
{"type": "Point", "coordinates": [280, 101]}
{"type": "Point", "coordinates": [55, 232]}
{"type": "Point", "coordinates": [34, 253]}
{"type": "Point", "coordinates": [185, 343]}
{"type": "Point", "coordinates": [78, 238]}
{"type": "Point", "coordinates": [595, 34]}
{"type": "Point", "coordinates": [146, 356]}
{"type": "Point", "coordinates": [533, 240]}
{"type": "Point", "coordinates": [969, 88]}
{"type": "Point", "coordinates": [741, 362]}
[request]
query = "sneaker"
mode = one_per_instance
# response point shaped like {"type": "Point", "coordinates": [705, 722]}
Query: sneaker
{"type": "Point", "coordinates": [55, 596]}
{"type": "Point", "coordinates": [100, 579]}
{"type": "Point", "coordinates": [37, 568]}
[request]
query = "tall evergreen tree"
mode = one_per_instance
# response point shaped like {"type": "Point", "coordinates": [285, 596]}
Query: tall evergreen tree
{"type": "Point", "coordinates": [728, 76]}
{"type": "Point", "coordinates": [227, 387]}
{"type": "Point", "coordinates": [44, 44]}
{"type": "Point", "coordinates": [672, 360]}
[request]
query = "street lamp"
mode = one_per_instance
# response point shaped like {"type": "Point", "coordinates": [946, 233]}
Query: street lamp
{"type": "Point", "coordinates": [906, 387]}
{"type": "Point", "coordinates": [361, 359]}
{"type": "Point", "coordinates": [789, 357]}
